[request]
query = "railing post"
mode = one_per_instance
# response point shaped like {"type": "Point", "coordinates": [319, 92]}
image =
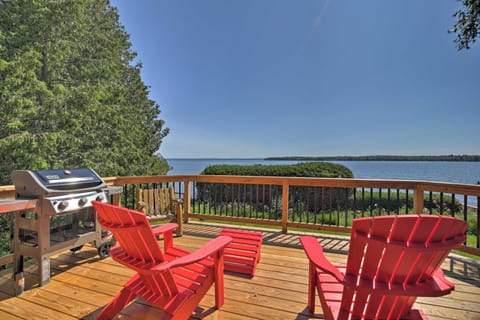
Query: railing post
{"type": "Point", "coordinates": [186, 200]}
{"type": "Point", "coordinates": [418, 197]}
{"type": "Point", "coordinates": [284, 206]}
{"type": "Point", "coordinates": [117, 199]}
{"type": "Point", "coordinates": [116, 196]}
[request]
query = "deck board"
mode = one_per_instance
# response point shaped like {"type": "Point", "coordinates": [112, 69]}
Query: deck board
{"type": "Point", "coordinates": [82, 284]}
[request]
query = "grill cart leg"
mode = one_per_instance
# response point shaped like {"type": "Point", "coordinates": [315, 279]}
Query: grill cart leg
{"type": "Point", "coordinates": [44, 271]}
{"type": "Point", "coordinates": [18, 277]}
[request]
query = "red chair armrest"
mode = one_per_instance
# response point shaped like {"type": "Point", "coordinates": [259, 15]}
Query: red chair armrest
{"type": "Point", "coordinates": [167, 231]}
{"type": "Point", "coordinates": [164, 228]}
{"type": "Point", "coordinates": [315, 254]}
{"type": "Point", "coordinates": [207, 250]}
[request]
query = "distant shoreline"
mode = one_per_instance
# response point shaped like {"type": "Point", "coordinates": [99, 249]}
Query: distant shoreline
{"type": "Point", "coordinates": [450, 158]}
{"type": "Point", "coordinates": [460, 158]}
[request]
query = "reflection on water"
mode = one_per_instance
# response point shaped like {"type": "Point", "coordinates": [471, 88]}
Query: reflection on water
{"type": "Point", "coordinates": [458, 172]}
{"type": "Point", "coordinates": [441, 171]}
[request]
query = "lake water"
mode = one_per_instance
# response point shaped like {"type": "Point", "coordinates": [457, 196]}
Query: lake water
{"type": "Point", "coordinates": [458, 172]}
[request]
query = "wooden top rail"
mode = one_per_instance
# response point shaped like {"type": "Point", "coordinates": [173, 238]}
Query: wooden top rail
{"type": "Point", "coordinates": [468, 189]}
{"type": "Point", "coordinates": [8, 192]}
{"type": "Point", "coordinates": [17, 205]}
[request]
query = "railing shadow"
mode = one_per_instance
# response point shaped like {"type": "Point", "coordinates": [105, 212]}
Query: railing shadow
{"type": "Point", "coordinates": [59, 264]}
{"type": "Point", "coordinates": [330, 243]}
{"type": "Point", "coordinates": [459, 267]}
{"type": "Point", "coordinates": [463, 269]}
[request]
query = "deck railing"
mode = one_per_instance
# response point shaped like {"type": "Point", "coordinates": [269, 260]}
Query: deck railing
{"type": "Point", "coordinates": [312, 203]}
{"type": "Point", "coordinates": [308, 203]}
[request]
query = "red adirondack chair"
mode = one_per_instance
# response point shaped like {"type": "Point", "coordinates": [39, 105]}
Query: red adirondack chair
{"type": "Point", "coordinates": [174, 280]}
{"type": "Point", "coordinates": [392, 260]}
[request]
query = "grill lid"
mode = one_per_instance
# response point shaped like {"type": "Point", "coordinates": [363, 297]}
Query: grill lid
{"type": "Point", "coordinates": [37, 183]}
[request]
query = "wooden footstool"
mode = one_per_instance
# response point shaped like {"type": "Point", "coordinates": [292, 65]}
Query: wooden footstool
{"type": "Point", "coordinates": [243, 253]}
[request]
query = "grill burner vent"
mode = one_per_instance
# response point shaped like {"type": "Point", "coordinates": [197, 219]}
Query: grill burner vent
{"type": "Point", "coordinates": [49, 182]}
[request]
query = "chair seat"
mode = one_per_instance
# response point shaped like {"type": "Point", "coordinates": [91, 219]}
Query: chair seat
{"type": "Point", "coordinates": [332, 291]}
{"type": "Point", "coordinates": [190, 281]}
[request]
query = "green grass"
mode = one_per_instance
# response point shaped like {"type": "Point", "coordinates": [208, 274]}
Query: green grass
{"type": "Point", "coordinates": [467, 255]}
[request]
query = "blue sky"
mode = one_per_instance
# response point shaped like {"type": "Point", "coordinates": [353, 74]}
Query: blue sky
{"type": "Point", "coordinates": [259, 78]}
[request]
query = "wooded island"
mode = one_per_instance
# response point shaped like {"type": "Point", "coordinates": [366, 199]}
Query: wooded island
{"type": "Point", "coordinates": [464, 158]}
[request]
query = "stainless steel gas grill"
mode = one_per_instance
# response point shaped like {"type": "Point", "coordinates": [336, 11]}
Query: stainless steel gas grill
{"type": "Point", "coordinates": [64, 218]}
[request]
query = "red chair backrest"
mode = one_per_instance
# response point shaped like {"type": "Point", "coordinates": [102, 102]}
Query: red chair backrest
{"type": "Point", "coordinates": [132, 231]}
{"type": "Point", "coordinates": [397, 250]}
{"type": "Point", "coordinates": [402, 249]}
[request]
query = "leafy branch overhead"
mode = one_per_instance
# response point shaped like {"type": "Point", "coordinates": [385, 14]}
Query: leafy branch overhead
{"type": "Point", "coordinates": [467, 25]}
{"type": "Point", "coordinates": [71, 94]}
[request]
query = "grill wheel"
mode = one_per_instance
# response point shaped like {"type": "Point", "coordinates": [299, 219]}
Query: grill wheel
{"type": "Point", "coordinates": [104, 249]}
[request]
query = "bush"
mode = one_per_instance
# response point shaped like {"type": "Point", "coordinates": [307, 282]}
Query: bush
{"type": "Point", "coordinates": [268, 195]}
{"type": "Point", "coordinates": [306, 169]}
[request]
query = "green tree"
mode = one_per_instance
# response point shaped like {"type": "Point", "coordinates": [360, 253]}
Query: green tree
{"type": "Point", "coordinates": [467, 25]}
{"type": "Point", "coordinates": [71, 94]}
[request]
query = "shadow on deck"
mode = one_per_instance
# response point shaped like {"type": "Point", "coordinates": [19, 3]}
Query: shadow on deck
{"type": "Point", "coordinates": [82, 283]}
{"type": "Point", "coordinates": [455, 265]}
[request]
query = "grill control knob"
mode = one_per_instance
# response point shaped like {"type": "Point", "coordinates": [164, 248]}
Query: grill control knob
{"type": "Point", "coordinates": [63, 205]}
{"type": "Point", "coordinates": [82, 202]}
{"type": "Point", "coordinates": [100, 197]}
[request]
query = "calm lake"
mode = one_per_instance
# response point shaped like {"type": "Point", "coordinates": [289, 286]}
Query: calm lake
{"type": "Point", "coordinates": [459, 172]}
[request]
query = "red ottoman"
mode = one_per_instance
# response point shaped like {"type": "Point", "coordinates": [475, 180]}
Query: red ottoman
{"type": "Point", "coordinates": [243, 253]}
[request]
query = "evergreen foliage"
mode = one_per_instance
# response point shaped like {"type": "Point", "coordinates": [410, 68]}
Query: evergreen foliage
{"type": "Point", "coordinates": [71, 94]}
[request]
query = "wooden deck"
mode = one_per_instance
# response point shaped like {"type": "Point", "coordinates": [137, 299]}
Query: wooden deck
{"type": "Point", "coordinates": [82, 284]}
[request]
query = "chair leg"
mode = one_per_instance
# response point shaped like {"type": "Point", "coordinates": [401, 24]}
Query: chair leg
{"type": "Point", "coordinates": [116, 304]}
{"type": "Point", "coordinates": [311, 288]}
{"type": "Point", "coordinates": [219, 280]}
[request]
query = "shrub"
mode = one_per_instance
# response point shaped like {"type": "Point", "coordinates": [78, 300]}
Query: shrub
{"type": "Point", "coordinates": [305, 169]}
{"type": "Point", "coordinates": [268, 195]}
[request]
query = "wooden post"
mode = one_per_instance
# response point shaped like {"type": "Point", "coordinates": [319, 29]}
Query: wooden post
{"type": "Point", "coordinates": [284, 206]}
{"type": "Point", "coordinates": [117, 195]}
{"type": "Point", "coordinates": [117, 199]}
{"type": "Point", "coordinates": [418, 195]}
{"type": "Point", "coordinates": [186, 200]}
